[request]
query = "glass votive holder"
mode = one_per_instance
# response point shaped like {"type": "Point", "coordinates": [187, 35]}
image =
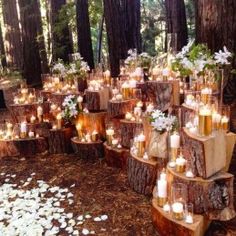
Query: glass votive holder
{"type": "Point", "coordinates": [189, 213]}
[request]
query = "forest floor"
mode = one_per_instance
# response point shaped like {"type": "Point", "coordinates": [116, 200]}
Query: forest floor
{"type": "Point", "coordinates": [98, 190]}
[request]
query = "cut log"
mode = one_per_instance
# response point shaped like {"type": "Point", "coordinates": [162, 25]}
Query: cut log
{"type": "Point", "coordinates": [23, 147]}
{"type": "Point", "coordinates": [128, 129]}
{"type": "Point", "coordinates": [230, 143]}
{"type": "Point", "coordinates": [163, 94]}
{"type": "Point", "coordinates": [213, 196]}
{"type": "Point", "coordinates": [58, 98]}
{"type": "Point", "coordinates": [166, 225]}
{"type": "Point", "coordinates": [186, 114]}
{"type": "Point", "coordinates": [93, 121]}
{"type": "Point", "coordinates": [42, 129]}
{"type": "Point", "coordinates": [142, 174]}
{"type": "Point", "coordinates": [118, 109]}
{"type": "Point", "coordinates": [27, 110]}
{"type": "Point", "coordinates": [205, 155]}
{"type": "Point", "coordinates": [97, 100]}
{"type": "Point", "coordinates": [116, 157]}
{"type": "Point", "coordinates": [91, 150]}
{"type": "Point", "coordinates": [59, 141]}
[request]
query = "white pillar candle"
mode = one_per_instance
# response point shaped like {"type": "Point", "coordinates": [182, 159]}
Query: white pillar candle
{"type": "Point", "coordinates": [175, 140]}
{"type": "Point", "coordinates": [23, 127]}
{"type": "Point", "coordinates": [32, 119]}
{"type": "Point", "coordinates": [40, 113]}
{"type": "Point", "coordinates": [110, 131]}
{"type": "Point", "coordinates": [162, 188]}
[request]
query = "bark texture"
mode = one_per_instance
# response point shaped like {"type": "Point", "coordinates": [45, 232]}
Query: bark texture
{"type": "Point", "coordinates": [12, 34]}
{"type": "Point", "coordinates": [216, 26]}
{"type": "Point", "coordinates": [84, 32]}
{"type": "Point", "coordinates": [2, 50]}
{"type": "Point", "coordinates": [176, 22]}
{"type": "Point", "coordinates": [31, 28]}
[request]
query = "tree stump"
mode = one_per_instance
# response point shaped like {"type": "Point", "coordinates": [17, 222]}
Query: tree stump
{"type": "Point", "coordinates": [93, 121]}
{"type": "Point", "coordinates": [91, 150]}
{"type": "Point", "coordinates": [166, 225]}
{"type": "Point", "coordinates": [186, 114]}
{"type": "Point", "coordinates": [118, 109]}
{"type": "Point", "coordinates": [59, 141]}
{"type": "Point", "coordinates": [161, 94]}
{"type": "Point", "coordinates": [116, 157]}
{"type": "Point", "coordinates": [142, 174]}
{"type": "Point", "coordinates": [58, 98]}
{"type": "Point", "coordinates": [143, 87]}
{"type": "Point", "coordinates": [42, 129]}
{"type": "Point", "coordinates": [23, 147]}
{"type": "Point", "coordinates": [205, 155]}
{"type": "Point", "coordinates": [212, 197]}
{"type": "Point", "coordinates": [128, 129]}
{"type": "Point", "coordinates": [27, 110]}
{"type": "Point", "coordinates": [97, 100]}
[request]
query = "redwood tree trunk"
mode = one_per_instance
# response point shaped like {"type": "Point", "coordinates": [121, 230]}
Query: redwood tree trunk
{"type": "Point", "coordinates": [176, 22]}
{"type": "Point", "coordinates": [2, 50]}
{"type": "Point", "coordinates": [216, 26]}
{"type": "Point", "coordinates": [133, 24]}
{"type": "Point", "coordinates": [84, 34]}
{"type": "Point", "coordinates": [30, 23]}
{"type": "Point", "coordinates": [12, 35]}
{"type": "Point", "coordinates": [61, 38]}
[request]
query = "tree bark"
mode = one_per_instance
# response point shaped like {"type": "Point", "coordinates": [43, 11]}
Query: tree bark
{"type": "Point", "coordinates": [176, 22]}
{"type": "Point", "coordinates": [216, 26]}
{"type": "Point", "coordinates": [133, 24]}
{"type": "Point", "coordinates": [61, 38]}
{"type": "Point", "coordinates": [84, 34]}
{"type": "Point", "coordinates": [12, 34]}
{"type": "Point", "coordinates": [2, 50]}
{"type": "Point", "coordinates": [31, 24]}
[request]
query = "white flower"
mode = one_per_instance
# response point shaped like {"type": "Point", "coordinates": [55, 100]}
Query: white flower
{"type": "Point", "coordinates": [59, 68]}
{"type": "Point", "coordinates": [222, 57]}
{"type": "Point", "coordinates": [76, 56]}
{"type": "Point", "coordinates": [187, 63]}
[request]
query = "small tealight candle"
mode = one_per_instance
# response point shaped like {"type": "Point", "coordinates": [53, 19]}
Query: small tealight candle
{"type": "Point", "coordinates": [189, 174]}
{"type": "Point", "coordinates": [31, 134]}
{"type": "Point", "coordinates": [94, 136]}
{"type": "Point", "coordinates": [145, 156]}
{"type": "Point", "coordinates": [80, 100]}
{"type": "Point", "coordinates": [180, 164]}
{"type": "Point", "coordinates": [178, 210]}
{"type": "Point", "coordinates": [166, 208]}
{"type": "Point", "coordinates": [114, 142]}
{"type": "Point", "coordinates": [54, 127]}
{"type": "Point", "coordinates": [128, 116]}
{"type": "Point", "coordinates": [119, 146]}
{"type": "Point", "coordinates": [32, 119]}
{"type": "Point", "coordinates": [37, 136]}
{"type": "Point", "coordinates": [119, 97]}
{"type": "Point", "coordinates": [85, 110]}
{"type": "Point", "coordinates": [189, 219]}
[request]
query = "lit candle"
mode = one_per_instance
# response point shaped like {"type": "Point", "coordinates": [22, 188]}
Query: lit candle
{"type": "Point", "coordinates": [216, 118]}
{"type": "Point", "coordinates": [174, 145]}
{"type": "Point", "coordinates": [224, 123]}
{"type": "Point", "coordinates": [145, 156]}
{"type": "Point", "coordinates": [205, 95]}
{"type": "Point", "coordinates": [162, 190]}
{"type": "Point", "coordinates": [189, 219]}
{"type": "Point", "coordinates": [31, 98]}
{"type": "Point", "coordinates": [31, 134]}
{"type": "Point", "coordinates": [139, 73]}
{"type": "Point", "coordinates": [189, 174]}
{"type": "Point", "coordinates": [88, 138]}
{"type": "Point", "coordinates": [107, 75]}
{"type": "Point", "coordinates": [180, 164]}
{"type": "Point", "coordinates": [115, 91]}
{"type": "Point", "coordinates": [59, 120]}
{"type": "Point", "coordinates": [139, 104]}
{"type": "Point", "coordinates": [79, 130]}
{"type": "Point", "coordinates": [205, 121]}
{"type": "Point", "coordinates": [140, 142]}
{"type": "Point", "coordinates": [166, 207]}
{"type": "Point", "coordinates": [114, 142]}
{"type": "Point", "coordinates": [23, 130]}
{"type": "Point", "coordinates": [80, 100]}
{"type": "Point", "coordinates": [109, 133]}
{"type": "Point", "coordinates": [32, 119]}
{"type": "Point", "coordinates": [128, 116]}
{"type": "Point", "coordinates": [125, 88]}
{"type": "Point", "coordinates": [119, 97]}
{"type": "Point", "coordinates": [9, 127]}
{"type": "Point", "coordinates": [95, 136]}
{"type": "Point", "coordinates": [178, 210]}
{"type": "Point", "coordinates": [40, 113]}
{"type": "Point", "coordinates": [37, 135]}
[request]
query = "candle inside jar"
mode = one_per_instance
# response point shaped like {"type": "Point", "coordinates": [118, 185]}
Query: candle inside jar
{"type": "Point", "coordinates": [224, 123]}
{"type": "Point", "coordinates": [174, 145]}
{"type": "Point", "coordinates": [162, 190]}
{"type": "Point", "coordinates": [180, 164]}
{"type": "Point", "coordinates": [177, 209]}
{"type": "Point", "coordinates": [59, 121]}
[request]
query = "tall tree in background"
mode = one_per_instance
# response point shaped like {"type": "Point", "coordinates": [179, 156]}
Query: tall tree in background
{"type": "Point", "coordinates": [13, 43]}
{"type": "Point", "coordinates": [132, 11]}
{"type": "Point", "coordinates": [2, 50]}
{"type": "Point", "coordinates": [61, 38]}
{"type": "Point", "coordinates": [176, 22]}
{"type": "Point", "coordinates": [117, 45]}
{"type": "Point", "coordinates": [216, 26]}
{"type": "Point", "coordinates": [122, 20]}
{"type": "Point", "coordinates": [83, 31]}
{"type": "Point", "coordinates": [30, 23]}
